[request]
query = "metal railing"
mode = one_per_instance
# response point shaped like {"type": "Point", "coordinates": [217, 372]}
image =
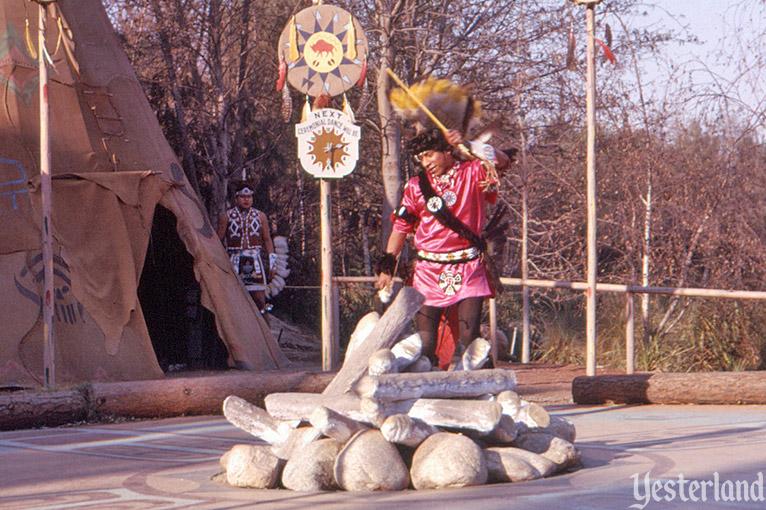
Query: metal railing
{"type": "Point", "coordinates": [628, 290]}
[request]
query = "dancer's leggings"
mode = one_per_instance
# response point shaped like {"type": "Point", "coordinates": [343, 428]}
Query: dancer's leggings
{"type": "Point", "coordinates": [427, 323]}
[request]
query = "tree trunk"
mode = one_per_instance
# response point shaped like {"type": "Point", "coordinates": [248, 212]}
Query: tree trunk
{"type": "Point", "coordinates": [391, 134]}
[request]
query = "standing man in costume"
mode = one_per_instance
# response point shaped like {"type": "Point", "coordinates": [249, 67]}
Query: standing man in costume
{"type": "Point", "coordinates": [245, 233]}
{"type": "Point", "coordinates": [451, 270]}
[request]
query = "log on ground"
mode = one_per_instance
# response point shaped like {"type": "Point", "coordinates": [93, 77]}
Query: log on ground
{"type": "Point", "coordinates": [22, 410]}
{"type": "Point", "coordinates": [672, 388]}
{"type": "Point", "coordinates": [197, 395]}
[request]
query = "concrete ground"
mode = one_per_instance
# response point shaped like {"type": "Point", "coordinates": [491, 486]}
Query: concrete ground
{"type": "Point", "coordinates": [171, 463]}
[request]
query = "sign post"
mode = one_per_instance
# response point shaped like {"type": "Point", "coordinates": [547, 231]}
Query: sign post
{"type": "Point", "coordinates": [323, 53]}
{"type": "Point", "coordinates": [328, 148]}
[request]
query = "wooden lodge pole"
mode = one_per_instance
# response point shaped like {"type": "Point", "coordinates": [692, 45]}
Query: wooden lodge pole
{"type": "Point", "coordinates": [49, 368]}
{"type": "Point", "coordinates": [591, 178]}
{"type": "Point", "coordinates": [592, 270]}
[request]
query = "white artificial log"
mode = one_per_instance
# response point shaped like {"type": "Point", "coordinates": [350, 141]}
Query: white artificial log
{"type": "Point", "coordinates": [382, 361]}
{"type": "Point", "coordinates": [475, 356]}
{"type": "Point", "coordinates": [407, 351]}
{"type": "Point", "coordinates": [406, 304]}
{"type": "Point", "coordinates": [255, 421]}
{"type": "Point", "coordinates": [298, 439]}
{"type": "Point", "coordinates": [504, 433]}
{"type": "Point", "coordinates": [335, 425]}
{"type": "Point", "coordinates": [406, 430]}
{"type": "Point", "coordinates": [363, 328]}
{"type": "Point", "coordinates": [435, 384]}
{"type": "Point", "coordinates": [421, 365]}
{"type": "Point", "coordinates": [481, 416]}
{"type": "Point", "coordinates": [300, 406]}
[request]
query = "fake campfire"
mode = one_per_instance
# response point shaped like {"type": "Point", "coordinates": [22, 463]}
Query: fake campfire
{"type": "Point", "coordinates": [388, 422]}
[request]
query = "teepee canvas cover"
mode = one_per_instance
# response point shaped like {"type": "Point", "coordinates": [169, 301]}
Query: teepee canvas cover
{"type": "Point", "coordinates": [111, 167]}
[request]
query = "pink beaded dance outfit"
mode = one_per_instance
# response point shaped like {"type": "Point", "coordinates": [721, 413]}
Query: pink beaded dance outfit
{"type": "Point", "coordinates": [440, 280]}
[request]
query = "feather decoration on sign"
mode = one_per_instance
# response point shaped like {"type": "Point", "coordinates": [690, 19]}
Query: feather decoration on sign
{"type": "Point", "coordinates": [363, 73]}
{"type": "Point", "coordinates": [364, 98]}
{"type": "Point", "coordinates": [351, 46]}
{"type": "Point", "coordinates": [294, 53]}
{"type": "Point", "coordinates": [287, 104]}
{"type": "Point", "coordinates": [347, 109]}
{"type": "Point", "coordinates": [282, 74]}
{"type": "Point", "coordinates": [571, 45]}
{"type": "Point", "coordinates": [607, 52]}
{"type": "Point", "coordinates": [452, 104]}
{"type": "Point", "coordinates": [306, 110]}
{"type": "Point", "coordinates": [608, 35]}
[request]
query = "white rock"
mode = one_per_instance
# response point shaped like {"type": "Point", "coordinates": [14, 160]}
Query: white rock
{"type": "Point", "coordinates": [448, 460]}
{"type": "Point", "coordinates": [552, 447]}
{"type": "Point", "coordinates": [311, 468]}
{"type": "Point", "coordinates": [370, 463]}
{"type": "Point", "coordinates": [544, 467]}
{"type": "Point", "coordinates": [504, 466]}
{"type": "Point", "coordinates": [562, 427]}
{"type": "Point", "coordinates": [252, 466]}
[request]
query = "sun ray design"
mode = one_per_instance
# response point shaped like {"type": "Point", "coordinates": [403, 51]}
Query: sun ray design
{"type": "Point", "coordinates": [328, 149]}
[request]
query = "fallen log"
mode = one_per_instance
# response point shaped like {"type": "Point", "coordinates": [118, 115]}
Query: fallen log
{"type": "Point", "coordinates": [383, 335]}
{"type": "Point", "coordinates": [436, 384]}
{"type": "Point", "coordinates": [196, 395]}
{"type": "Point", "coordinates": [155, 398]}
{"type": "Point", "coordinates": [21, 410]}
{"type": "Point", "coordinates": [672, 388]}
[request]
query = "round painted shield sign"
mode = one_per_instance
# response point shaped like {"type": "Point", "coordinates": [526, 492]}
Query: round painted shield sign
{"type": "Point", "coordinates": [324, 48]}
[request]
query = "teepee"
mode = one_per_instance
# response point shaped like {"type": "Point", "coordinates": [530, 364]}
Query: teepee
{"type": "Point", "coordinates": [112, 168]}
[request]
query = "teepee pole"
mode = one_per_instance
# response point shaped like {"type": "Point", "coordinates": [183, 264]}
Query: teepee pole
{"type": "Point", "coordinates": [45, 192]}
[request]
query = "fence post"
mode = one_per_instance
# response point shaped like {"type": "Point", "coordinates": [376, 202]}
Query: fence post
{"type": "Point", "coordinates": [630, 339]}
{"type": "Point", "coordinates": [493, 330]}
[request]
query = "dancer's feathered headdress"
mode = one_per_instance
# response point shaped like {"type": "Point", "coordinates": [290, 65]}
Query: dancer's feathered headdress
{"type": "Point", "coordinates": [452, 104]}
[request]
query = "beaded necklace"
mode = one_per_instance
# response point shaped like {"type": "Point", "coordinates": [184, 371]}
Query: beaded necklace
{"type": "Point", "coordinates": [447, 179]}
{"type": "Point", "coordinates": [444, 182]}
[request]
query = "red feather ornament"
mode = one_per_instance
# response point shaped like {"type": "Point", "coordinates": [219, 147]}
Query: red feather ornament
{"type": "Point", "coordinates": [282, 75]}
{"type": "Point", "coordinates": [364, 73]}
{"type": "Point", "coordinates": [607, 52]}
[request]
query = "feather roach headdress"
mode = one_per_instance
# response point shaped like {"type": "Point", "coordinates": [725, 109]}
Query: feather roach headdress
{"type": "Point", "coordinates": [452, 104]}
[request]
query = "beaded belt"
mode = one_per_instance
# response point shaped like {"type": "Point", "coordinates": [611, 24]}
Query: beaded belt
{"type": "Point", "coordinates": [452, 257]}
